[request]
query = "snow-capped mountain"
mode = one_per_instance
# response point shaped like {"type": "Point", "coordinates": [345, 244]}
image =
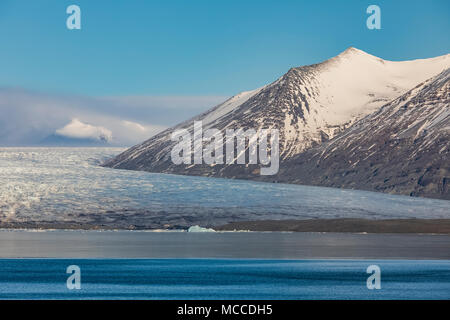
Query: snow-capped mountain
{"type": "Point", "coordinates": [309, 105]}
{"type": "Point", "coordinates": [404, 148]}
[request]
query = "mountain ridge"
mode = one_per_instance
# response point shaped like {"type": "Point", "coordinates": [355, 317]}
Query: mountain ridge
{"type": "Point", "coordinates": [406, 152]}
{"type": "Point", "coordinates": [309, 105]}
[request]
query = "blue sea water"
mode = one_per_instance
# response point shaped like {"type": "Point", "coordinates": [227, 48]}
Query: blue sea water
{"type": "Point", "coordinates": [223, 279]}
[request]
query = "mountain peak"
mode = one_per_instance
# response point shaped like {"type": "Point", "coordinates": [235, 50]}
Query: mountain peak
{"type": "Point", "coordinates": [309, 105]}
{"type": "Point", "coordinates": [352, 51]}
{"type": "Point", "coordinates": [351, 55]}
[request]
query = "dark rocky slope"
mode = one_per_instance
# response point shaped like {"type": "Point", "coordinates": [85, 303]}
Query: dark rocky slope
{"type": "Point", "coordinates": [403, 148]}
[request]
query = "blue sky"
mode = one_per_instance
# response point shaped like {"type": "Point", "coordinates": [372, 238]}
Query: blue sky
{"type": "Point", "coordinates": [137, 67]}
{"type": "Point", "coordinates": [199, 48]}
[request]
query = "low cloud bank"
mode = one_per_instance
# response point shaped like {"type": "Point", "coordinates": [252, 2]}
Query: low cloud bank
{"type": "Point", "coordinates": [28, 118]}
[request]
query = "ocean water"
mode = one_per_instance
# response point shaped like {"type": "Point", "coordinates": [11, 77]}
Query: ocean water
{"type": "Point", "coordinates": [223, 279]}
{"type": "Point", "coordinates": [64, 185]}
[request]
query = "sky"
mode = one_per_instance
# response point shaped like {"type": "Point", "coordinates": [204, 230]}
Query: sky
{"type": "Point", "coordinates": [200, 47]}
{"type": "Point", "coordinates": [154, 58]}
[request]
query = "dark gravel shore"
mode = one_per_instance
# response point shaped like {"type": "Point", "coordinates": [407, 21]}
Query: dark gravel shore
{"type": "Point", "coordinates": [430, 226]}
{"type": "Point", "coordinates": [441, 226]}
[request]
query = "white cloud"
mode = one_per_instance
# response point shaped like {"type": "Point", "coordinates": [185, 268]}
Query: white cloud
{"type": "Point", "coordinates": [80, 130]}
{"type": "Point", "coordinates": [134, 126]}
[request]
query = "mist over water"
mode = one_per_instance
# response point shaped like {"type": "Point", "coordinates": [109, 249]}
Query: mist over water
{"type": "Point", "coordinates": [65, 185]}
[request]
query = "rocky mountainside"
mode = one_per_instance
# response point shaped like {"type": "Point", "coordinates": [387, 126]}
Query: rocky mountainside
{"type": "Point", "coordinates": [309, 105]}
{"type": "Point", "coordinates": [402, 148]}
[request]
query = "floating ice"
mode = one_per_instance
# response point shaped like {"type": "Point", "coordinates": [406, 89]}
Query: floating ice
{"type": "Point", "coordinates": [200, 229]}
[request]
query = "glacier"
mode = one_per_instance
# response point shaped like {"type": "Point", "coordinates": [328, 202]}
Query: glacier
{"type": "Point", "coordinates": [55, 187]}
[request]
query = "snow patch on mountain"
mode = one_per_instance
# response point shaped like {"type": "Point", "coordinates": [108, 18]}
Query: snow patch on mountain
{"type": "Point", "coordinates": [228, 106]}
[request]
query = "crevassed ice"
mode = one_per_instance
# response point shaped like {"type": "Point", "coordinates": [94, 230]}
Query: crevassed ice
{"type": "Point", "coordinates": [68, 185]}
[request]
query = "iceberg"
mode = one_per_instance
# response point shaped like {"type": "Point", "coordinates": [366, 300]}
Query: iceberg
{"type": "Point", "coordinates": [200, 229]}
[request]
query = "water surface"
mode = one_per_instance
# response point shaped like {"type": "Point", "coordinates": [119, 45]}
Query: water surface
{"type": "Point", "coordinates": [232, 245]}
{"type": "Point", "coordinates": [223, 279]}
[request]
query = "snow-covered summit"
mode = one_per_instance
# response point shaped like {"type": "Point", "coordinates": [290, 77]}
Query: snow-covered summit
{"type": "Point", "coordinates": [308, 105]}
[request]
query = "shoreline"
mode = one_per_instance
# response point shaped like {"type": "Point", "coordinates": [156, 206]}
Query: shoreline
{"type": "Point", "coordinates": [340, 225]}
{"type": "Point", "coordinates": [344, 225]}
{"type": "Point", "coordinates": [222, 245]}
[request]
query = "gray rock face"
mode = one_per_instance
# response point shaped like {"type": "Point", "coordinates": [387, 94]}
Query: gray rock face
{"type": "Point", "coordinates": [337, 127]}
